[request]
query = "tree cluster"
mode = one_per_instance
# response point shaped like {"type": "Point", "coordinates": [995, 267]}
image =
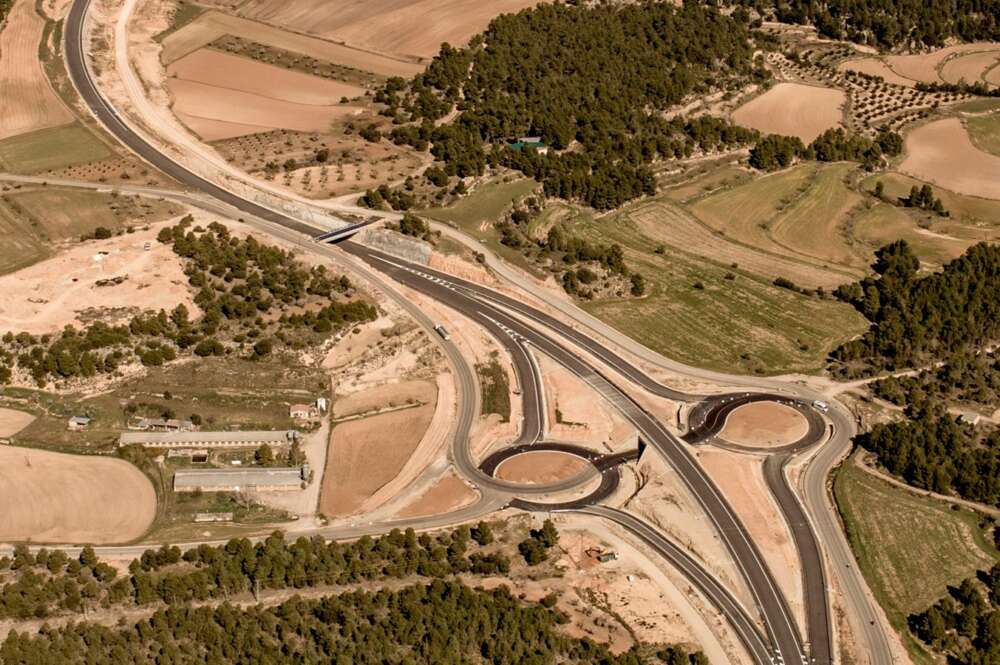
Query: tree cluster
{"type": "Point", "coordinates": [592, 76]}
{"type": "Point", "coordinates": [441, 623]}
{"type": "Point", "coordinates": [238, 282]}
{"type": "Point", "coordinates": [889, 23]}
{"type": "Point", "coordinates": [775, 152]}
{"type": "Point", "coordinates": [965, 376]}
{"type": "Point", "coordinates": [935, 452]}
{"type": "Point", "coordinates": [965, 624]}
{"type": "Point", "coordinates": [535, 548]}
{"type": "Point", "coordinates": [917, 320]}
{"type": "Point", "coordinates": [923, 198]}
{"type": "Point", "coordinates": [978, 88]}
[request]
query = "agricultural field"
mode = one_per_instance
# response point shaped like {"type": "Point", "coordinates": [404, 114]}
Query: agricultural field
{"type": "Point", "coordinates": [29, 102]}
{"type": "Point", "coordinates": [49, 149]}
{"type": "Point", "coordinates": [965, 60]}
{"type": "Point", "coordinates": [213, 25]}
{"type": "Point", "coordinates": [413, 29]}
{"type": "Point", "coordinates": [383, 427]}
{"type": "Point", "coordinates": [942, 153]}
{"type": "Point", "coordinates": [35, 220]}
{"type": "Point", "coordinates": [220, 95]}
{"type": "Point", "coordinates": [57, 498]}
{"type": "Point", "coordinates": [984, 130]}
{"type": "Point", "coordinates": [715, 315]}
{"type": "Point", "coordinates": [793, 109]}
{"type": "Point", "coordinates": [900, 537]}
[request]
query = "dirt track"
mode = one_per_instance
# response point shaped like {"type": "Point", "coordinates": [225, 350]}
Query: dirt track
{"type": "Point", "coordinates": [56, 498]}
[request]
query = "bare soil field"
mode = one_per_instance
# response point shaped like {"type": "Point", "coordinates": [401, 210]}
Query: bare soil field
{"type": "Point", "coordinates": [388, 396]}
{"type": "Point", "coordinates": [741, 479]}
{"type": "Point", "coordinates": [56, 498]}
{"type": "Point", "coordinates": [992, 76]}
{"type": "Point", "coordinates": [29, 103]}
{"type": "Point", "coordinates": [575, 412]}
{"type": "Point", "coordinates": [231, 72]}
{"type": "Point", "coordinates": [793, 109]}
{"type": "Point", "coordinates": [401, 27]}
{"type": "Point", "coordinates": [764, 425]}
{"type": "Point", "coordinates": [541, 467]}
{"type": "Point", "coordinates": [368, 453]}
{"type": "Point", "coordinates": [63, 290]}
{"type": "Point", "coordinates": [924, 67]}
{"type": "Point", "coordinates": [875, 67]}
{"type": "Point", "coordinates": [13, 421]}
{"type": "Point", "coordinates": [211, 25]}
{"type": "Point", "coordinates": [942, 153]}
{"type": "Point", "coordinates": [969, 68]}
{"type": "Point", "coordinates": [446, 495]}
{"type": "Point", "coordinates": [229, 112]}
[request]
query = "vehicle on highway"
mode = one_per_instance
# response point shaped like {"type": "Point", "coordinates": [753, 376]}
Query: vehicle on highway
{"type": "Point", "coordinates": [440, 330]}
{"type": "Point", "coordinates": [820, 405]}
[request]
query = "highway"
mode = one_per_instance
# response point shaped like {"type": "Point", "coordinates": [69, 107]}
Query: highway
{"type": "Point", "coordinates": [501, 315]}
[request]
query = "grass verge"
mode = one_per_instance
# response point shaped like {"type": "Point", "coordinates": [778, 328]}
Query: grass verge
{"type": "Point", "coordinates": [495, 388]}
{"type": "Point", "coordinates": [909, 547]}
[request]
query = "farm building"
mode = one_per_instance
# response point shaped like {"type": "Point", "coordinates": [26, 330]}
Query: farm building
{"type": "Point", "coordinates": [300, 411]}
{"type": "Point", "coordinates": [208, 439]}
{"type": "Point", "coordinates": [163, 425]}
{"type": "Point", "coordinates": [237, 480]}
{"type": "Point", "coordinates": [78, 422]}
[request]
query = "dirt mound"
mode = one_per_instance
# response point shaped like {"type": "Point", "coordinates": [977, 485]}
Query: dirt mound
{"type": "Point", "coordinates": [56, 498]}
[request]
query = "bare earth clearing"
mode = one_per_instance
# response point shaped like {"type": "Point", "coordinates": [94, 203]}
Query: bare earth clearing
{"type": "Point", "coordinates": [575, 412]}
{"type": "Point", "coordinates": [211, 25]}
{"type": "Point", "coordinates": [56, 498]}
{"type": "Point", "coordinates": [29, 102]}
{"type": "Point", "coordinates": [13, 421]}
{"type": "Point", "coordinates": [793, 109]}
{"type": "Point", "coordinates": [401, 27]}
{"type": "Point", "coordinates": [446, 495]}
{"type": "Point", "coordinates": [942, 153]}
{"type": "Point", "coordinates": [368, 453]}
{"type": "Point", "coordinates": [764, 424]}
{"type": "Point", "coordinates": [47, 296]}
{"type": "Point", "coordinates": [541, 467]}
{"type": "Point", "coordinates": [741, 479]}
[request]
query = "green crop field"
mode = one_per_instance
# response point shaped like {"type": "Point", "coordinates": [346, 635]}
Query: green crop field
{"type": "Point", "coordinates": [910, 547]}
{"type": "Point", "coordinates": [48, 149]}
{"type": "Point", "coordinates": [984, 131]}
{"type": "Point", "coordinates": [741, 323]}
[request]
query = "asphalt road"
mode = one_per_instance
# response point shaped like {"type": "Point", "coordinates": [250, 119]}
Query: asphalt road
{"type": "Point", "coordinates": [454, 293]}
{"type": "Point", "coordinates": [770, 601]}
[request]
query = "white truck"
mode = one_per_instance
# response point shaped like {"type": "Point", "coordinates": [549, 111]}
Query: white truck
{"type": "Point", "coordinates": [440, 330]}
{"type": "Point", "coordinates": [820, 405]}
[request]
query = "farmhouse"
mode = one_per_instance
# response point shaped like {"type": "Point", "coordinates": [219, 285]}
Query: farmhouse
{"type": "Point", "coordinates": [300, 411]}
{"type": "Point", "coordinates": [238, 480]}
{"type": "Point", "coordinates": [208, 439]}
{"type": "Point", "coordinates": [529, 142]}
